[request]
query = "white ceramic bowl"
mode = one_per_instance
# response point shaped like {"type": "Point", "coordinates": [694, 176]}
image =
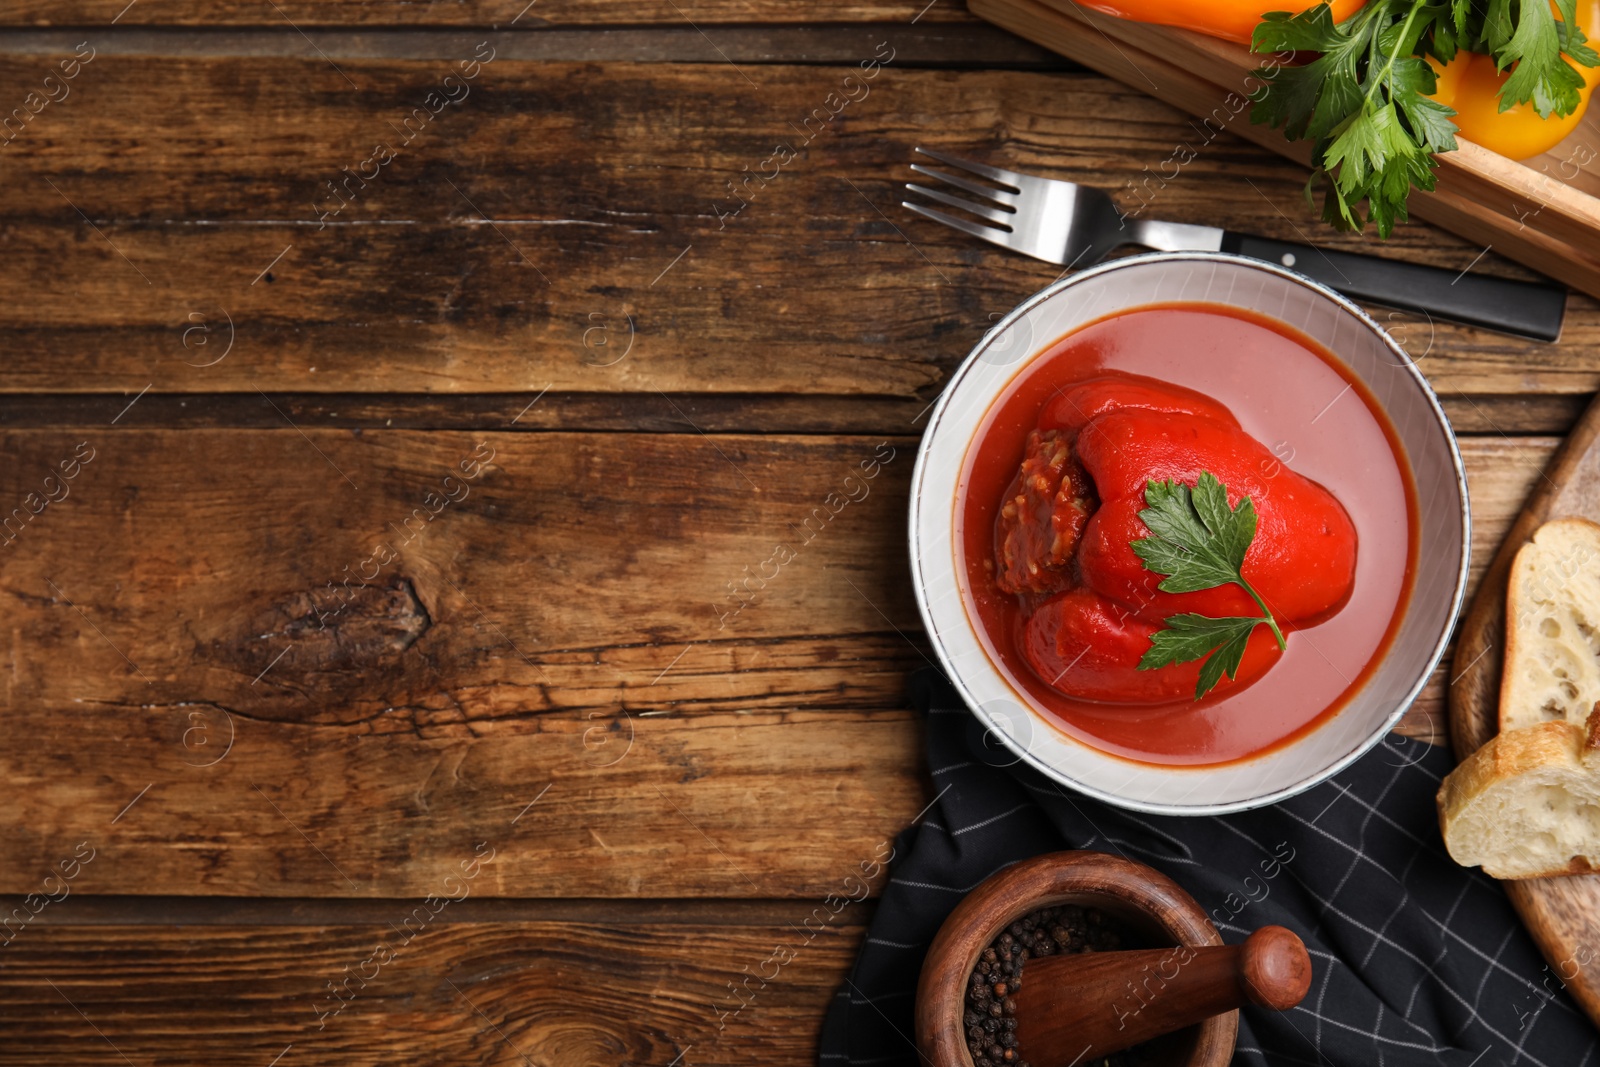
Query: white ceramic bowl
{"type": "Point", "coordinates": [1369, 353]}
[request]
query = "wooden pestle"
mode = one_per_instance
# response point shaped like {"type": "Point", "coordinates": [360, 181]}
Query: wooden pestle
{"type": "Point", "coordinates": [1074, 1008]}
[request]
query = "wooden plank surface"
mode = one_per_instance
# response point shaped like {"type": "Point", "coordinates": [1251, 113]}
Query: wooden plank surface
{"type": "Point", "coordinates": [445, 13]}
{"type": "Point", "coordinates": [611, 616]}
{"type": "Point", "coordinates": [414, 991]}
{"type": "Point", "coordinates": [400, 672]}
{"type": "Point", "coordinates": [197, 228]}
{"type": "Point", "coordinates": [965, 45]}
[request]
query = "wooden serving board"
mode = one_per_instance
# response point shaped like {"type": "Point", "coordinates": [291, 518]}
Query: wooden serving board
{"type": "Point", "coordinates": [1543, 212]}
{"type": "Point", "coordinates": [1563, 914]}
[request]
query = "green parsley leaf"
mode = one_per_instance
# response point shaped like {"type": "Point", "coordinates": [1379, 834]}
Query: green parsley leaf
{"type": "Point", "coordinates": [1533, 46]}
{"type": "Point", "coordinates": [1366, 101]}
{"type": "Point", "coordinates": [1199, 542]}
{"type": "Point", "coordinates": [1188, 637]}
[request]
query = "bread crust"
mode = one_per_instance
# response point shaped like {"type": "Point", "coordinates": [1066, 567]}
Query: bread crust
{"type": "Point", "coordinates": [1509, 626]}
{"type": "Point", "coordinates": [1528, 749]}
{"type": "Point", "coordinates": [1507, 755]}
{"type": "Point", "coordinates": [1509, 773]}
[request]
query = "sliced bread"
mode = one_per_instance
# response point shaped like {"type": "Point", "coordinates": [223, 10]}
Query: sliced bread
{"type": "Point", "coordinates": [1527, 804]}
{"type": "Point", "coordinates": [1552, 661]}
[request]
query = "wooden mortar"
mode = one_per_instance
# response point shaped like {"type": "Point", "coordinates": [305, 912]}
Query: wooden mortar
{"type": "Point", "coordinates": [1145, 899]}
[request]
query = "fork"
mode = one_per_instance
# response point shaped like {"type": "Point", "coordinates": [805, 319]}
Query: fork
{"type": "Point", "coordinates": [1077, 225]}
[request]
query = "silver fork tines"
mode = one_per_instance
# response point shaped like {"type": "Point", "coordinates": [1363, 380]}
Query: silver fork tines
{"type": "Point", "coordinates": [997, 175]}
{"type": "Point", "coordinates": [1000, 217]}
{"type": "Point", "coordinates": [999, 209]}
{"type": "Point", "coordinates": [1002, 196]}
{"type": "Point", "coordinates": [1050, 220]}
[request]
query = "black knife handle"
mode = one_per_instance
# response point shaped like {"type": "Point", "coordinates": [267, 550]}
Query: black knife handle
{"type": "Point", "coordinates": [1528, 309]}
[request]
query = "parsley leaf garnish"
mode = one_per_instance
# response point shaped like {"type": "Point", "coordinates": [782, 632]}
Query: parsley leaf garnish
{"type": "Point", "coordinates": [1366, 102]}
{"type": "Point", "coordinates": [1188, 637]}
{"type": "Point", "coordinates": [1198, 542]}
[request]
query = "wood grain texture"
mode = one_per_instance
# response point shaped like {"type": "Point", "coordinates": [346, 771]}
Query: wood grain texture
{"type": "Point", "coordinates": [485, 13]}
{"type": "Point", "coordinates": [576, 598]}
{"type": "Point", "coordinates": [601, 992]}
{"type": "Point", "coordinates": [590, 616]}
{"type": "Point", "coordinates": [974, 45]}
{"type": "Point", "coordinates": [109, 909]}
{"type": "Point", "coordinates": [1502, 415]}
{"type": "Point", "coordinates": [196, 180]}
{"type": "Point", "coordinates": [1563, 914]}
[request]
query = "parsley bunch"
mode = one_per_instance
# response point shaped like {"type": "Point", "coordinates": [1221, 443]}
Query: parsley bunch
{"type": "Point", "coordinates": [1366, 102]}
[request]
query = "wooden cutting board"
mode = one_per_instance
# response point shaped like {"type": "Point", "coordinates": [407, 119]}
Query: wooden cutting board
{"type": "Point", "coordinates": [1563, 914]}
{"type": "Point", "coordinates": [1522, 209]}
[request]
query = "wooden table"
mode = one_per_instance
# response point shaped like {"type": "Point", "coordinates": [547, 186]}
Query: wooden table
{"type": "Point", "coordinates": [404, 674]}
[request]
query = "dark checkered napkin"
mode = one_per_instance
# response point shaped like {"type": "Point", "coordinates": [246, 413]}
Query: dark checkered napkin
{"type": "Point", "coordinates": [1416, 960]}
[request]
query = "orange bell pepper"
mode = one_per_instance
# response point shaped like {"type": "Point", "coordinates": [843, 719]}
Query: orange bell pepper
{"type": "Point", "coordinates": [1470, 84]}
{"type": "Point", "coordinates": [1235, 20]}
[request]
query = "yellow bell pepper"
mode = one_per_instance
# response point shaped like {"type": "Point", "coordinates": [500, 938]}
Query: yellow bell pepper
{"type": "Point", "coordinates": [1235, 20]}
{"type": "Point", "coordinates": [1470, 84]}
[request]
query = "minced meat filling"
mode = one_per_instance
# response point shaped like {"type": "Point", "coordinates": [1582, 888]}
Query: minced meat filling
{"type": "Point", "coordinates": [1046, 509]}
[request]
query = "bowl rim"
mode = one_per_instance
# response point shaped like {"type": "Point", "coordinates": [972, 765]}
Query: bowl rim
{"type": "Point", "coordinates": [914, 511]}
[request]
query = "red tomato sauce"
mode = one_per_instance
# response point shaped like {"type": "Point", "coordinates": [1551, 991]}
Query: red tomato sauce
{"type": "Point", "coordinates": [1295, 398]}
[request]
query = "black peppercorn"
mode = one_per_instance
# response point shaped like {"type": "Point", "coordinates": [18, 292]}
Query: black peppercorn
{"type": "Point", "coordinates": [989, 1018]}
